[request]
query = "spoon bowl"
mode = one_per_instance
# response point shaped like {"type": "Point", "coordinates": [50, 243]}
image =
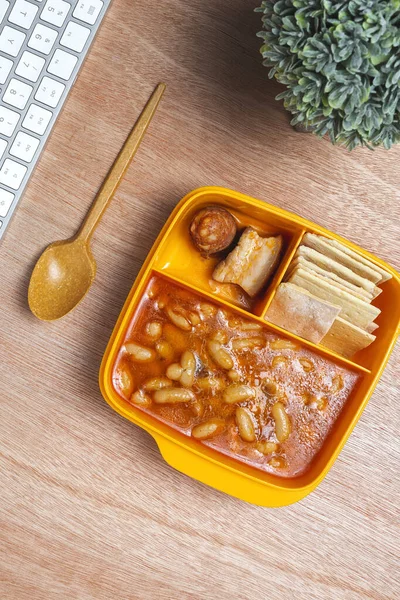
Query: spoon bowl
{"type": "Point", "coordinates": [64, 273]}
{"type": "Point", "coordinates": [61, 279]}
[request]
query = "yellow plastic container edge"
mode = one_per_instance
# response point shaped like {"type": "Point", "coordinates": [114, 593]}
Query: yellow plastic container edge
{"type": "Point", "coordinates": [175, 452]}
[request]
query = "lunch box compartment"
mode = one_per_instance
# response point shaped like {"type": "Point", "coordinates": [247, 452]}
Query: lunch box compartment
{"type": "Point", "coordinates": [178, 256]}
{"type": "Point", "coordinates": [388, 302]}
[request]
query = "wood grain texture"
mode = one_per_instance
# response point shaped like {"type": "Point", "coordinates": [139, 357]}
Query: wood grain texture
{"type": "Point", "coordinates": [89, 510]}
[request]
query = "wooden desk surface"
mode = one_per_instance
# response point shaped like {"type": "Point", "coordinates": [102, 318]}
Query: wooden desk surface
{"type": "Point", "coordinates": [89, 510]}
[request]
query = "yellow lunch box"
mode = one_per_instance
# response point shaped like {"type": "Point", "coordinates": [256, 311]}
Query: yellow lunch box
{"type": "Point", "coordinates": [174, 257]}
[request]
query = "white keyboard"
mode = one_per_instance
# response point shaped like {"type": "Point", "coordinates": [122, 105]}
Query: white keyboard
{"type": "Point", "coordinates": [43, 44]}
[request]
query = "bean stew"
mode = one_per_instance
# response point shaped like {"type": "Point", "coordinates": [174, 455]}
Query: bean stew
{"type": "Point", "coordinates": [229, 382]}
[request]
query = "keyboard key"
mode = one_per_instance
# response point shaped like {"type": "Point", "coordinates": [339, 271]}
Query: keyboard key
{"type": "Point", "coordinates": [30, 66]}
{"type": "Point", "coordinates": [3, 146]}
{"type": "Point", "coordinates": [42, 39]}
{"type": "Point", "coordinates": [55, 12]}
{"type": "Point", "coordinates": [6, 199]}
{"type": "Point", "coordinates": [8, 121]}
{"type": "Point", "coordinates": [75, 37]}
{"type": "Point", "coordinates": [37, 119]}
{"type": "Point", "coordinates": [4, 4]}
{"type": "Point", "coordinates": [5, 68]}
{"type": "Point", "coordinates": [49, 92]}
{"type": "Point", "coordinates": [23, 14]}
{"type": "Point", "coordinates": [62, 64]}
{"type": "Point", "coordinates": [11, 41]}
{"type": "Point", "coordinates": [12, 174]}
{"type": "Point", "coordinates": [24, 146]}
{"type": "Point", "coordinates": [88, 10]}
{"type": "Point", "coordinates": [17, 94]}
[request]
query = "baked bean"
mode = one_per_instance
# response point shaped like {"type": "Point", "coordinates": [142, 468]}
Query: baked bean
{"type": "Point", "coordinates": [244, 421]}
{"type": "Point", "coordinates": [194, 319]}
{"type": "Point", "coordinates": [238, 393]}
{"type": "Point", "coordinates": [208, 310]}
{"type": "Point", "coordinates": [198, 407]}
{"type": "Point", "coordinates": [210, 383]}
{"type": "Point", "coordinates": [277, 462]}
{"type": "Point", "coordinates": [208, 429]}
{"type": "Point", "coordinates": [234, 375]}
{"type": "Point", "coordinates": [188, 363]}
{"type": "Point", "coordinates": [188, 360]}
{"type": "Point", "coordinates": [184, 373]}
{"type": "Point", "coordinates": [165, 350]}
{"type": "Point", "coordinates": [337, 385]}
{"type": "Point", "coordinates": [140, 353]}
{"type": "Point", "coordinates": [154, 330]}
{"type": "Point", "coordinates": [173, 396]}
{"type": "Point", "coordinates": [179, 320]}
{"type": "Point", "coordinates": [220, 336]}
{"type": "Point", "coordinates": [156, 383]}
{"type": "Point", "coordinates": [266, 447]}
{"type": "Point", "coordinates": [282, 422]}
{"type": "Point", "coordinates": [141, 399]}
{"type": "Point", "coordinates": [282, 345]}
{"type": "Point", "coordinates": [249, 326]}
{"type": "Point", "coordinates": [219, 355]}
{"type": "Point", "coordinates": [307, 365]}
{"type": "Point", "coordinates": [279, 361]}
{"type": "Point", "coordinates": [174, 372]}
{"type": "Point", "coordinates": [125, 379]}
{"type": "Point", "coordinates": [248, 343]}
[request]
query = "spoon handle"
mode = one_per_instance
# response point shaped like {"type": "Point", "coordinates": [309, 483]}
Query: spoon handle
{"type": "Point", "coordinates": [120, 166]}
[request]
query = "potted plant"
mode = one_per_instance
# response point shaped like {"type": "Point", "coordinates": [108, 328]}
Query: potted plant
{"type": "Point", "coordinates": [340, 63]}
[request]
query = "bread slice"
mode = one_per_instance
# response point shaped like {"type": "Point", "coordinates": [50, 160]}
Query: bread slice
{"type": "Point", "coordinates": [329, 264]}
{"type": "Point", "coordinates": [346, 339]}
{"type": "Point", "coordinates": [298, 311]}
{"type": "Point", "coordinates": [354, 310]}
{"type": "Point", "coordinates": [320, 244]}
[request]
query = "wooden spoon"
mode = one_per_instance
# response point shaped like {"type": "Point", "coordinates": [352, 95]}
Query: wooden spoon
{"type": "Point", "coordinates": [66, 269]}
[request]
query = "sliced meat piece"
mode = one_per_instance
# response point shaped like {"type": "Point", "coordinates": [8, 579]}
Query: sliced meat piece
{"type": "Point", "coordinates": [251, 263]}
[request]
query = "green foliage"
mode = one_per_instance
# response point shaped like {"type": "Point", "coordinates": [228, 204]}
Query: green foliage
{"type": "Point", "coordinates": [340, 62]}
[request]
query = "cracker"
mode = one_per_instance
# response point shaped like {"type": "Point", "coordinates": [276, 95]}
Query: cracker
{"type": "Point", "coordinates": [385, 275]}
{"type": "Point", "coordinates": [346, 339]}
{"type": "Point", "coordinates": [299, 312]}
{"type": "Point", "coordinates": [354, 310]}
{"type": "Point", "coordinates": [325, 262]}
{"type": "Point", "coordinates": [321, 244]}
{"type": "Point", "coordinates": [356, 291]}
{"type": "Point", "coordinates": [371, 328]}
